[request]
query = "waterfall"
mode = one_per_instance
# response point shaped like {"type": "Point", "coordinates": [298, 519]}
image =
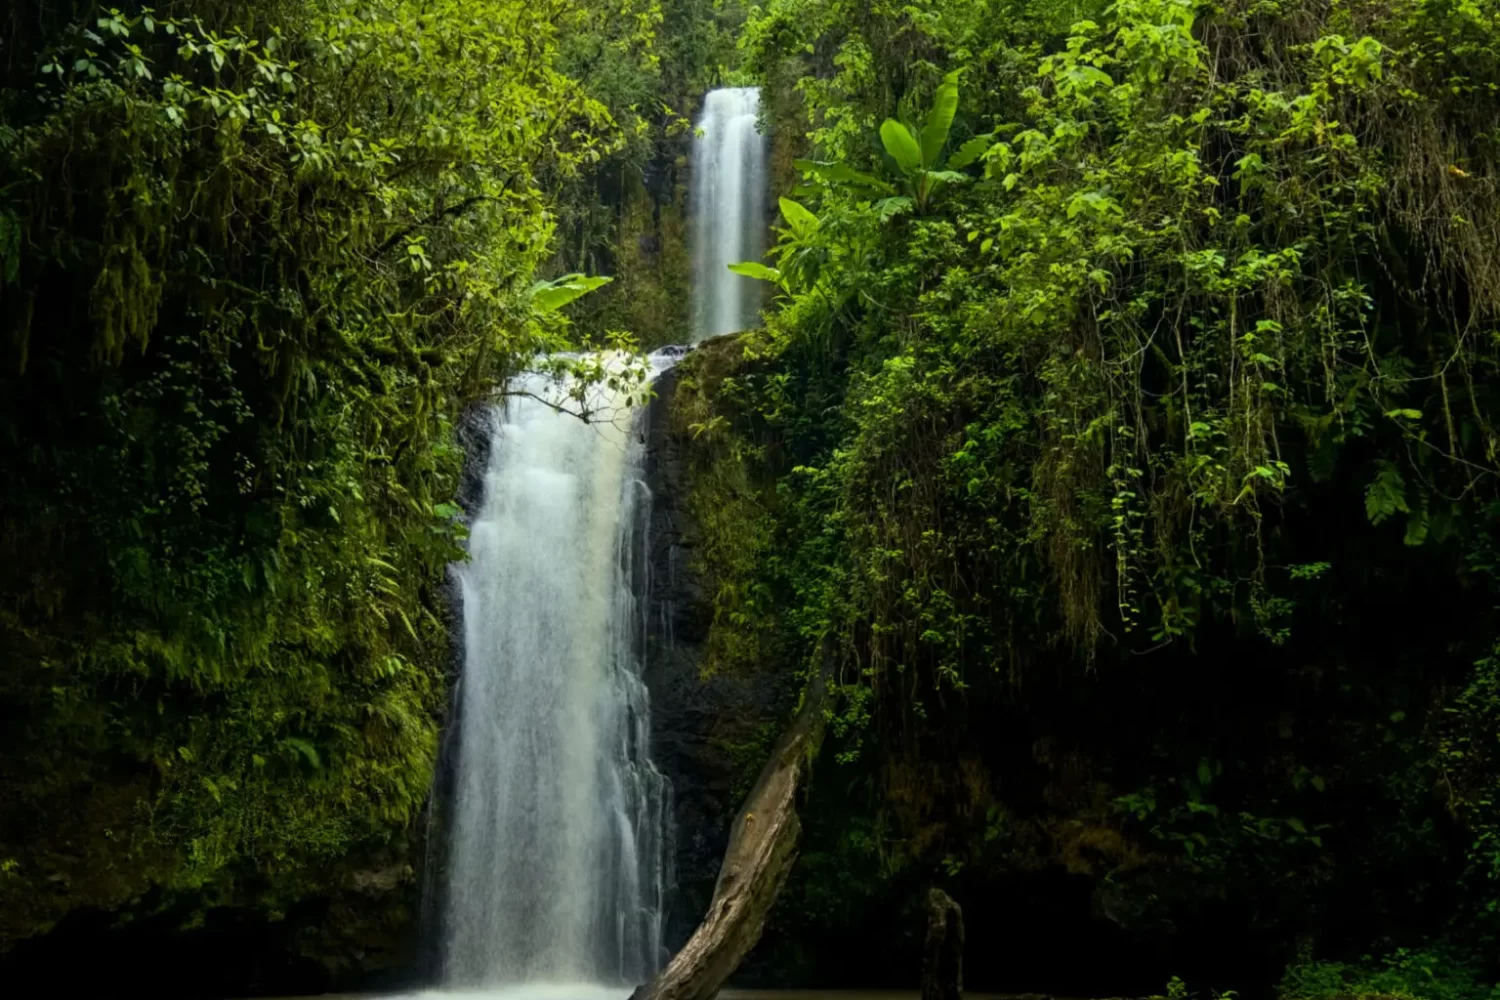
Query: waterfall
{"type": "Point", "coordinates": [559, 841]}
{"type": "Point", "coordinates": [558, 850]}
{"type": "Point", "coordinates": [729, 211]}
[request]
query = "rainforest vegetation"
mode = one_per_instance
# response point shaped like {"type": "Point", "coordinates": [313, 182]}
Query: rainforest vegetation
{"type": "Point", "coordinates": [1122, 438]}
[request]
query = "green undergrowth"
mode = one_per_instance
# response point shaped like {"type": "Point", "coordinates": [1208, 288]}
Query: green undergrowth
{"type": "Point", "coordinates": [1123, 431]}
{"type": "Point", "coordinates": [1421, 974]}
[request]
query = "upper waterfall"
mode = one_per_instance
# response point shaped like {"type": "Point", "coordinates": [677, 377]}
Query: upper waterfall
{"type": "Point", "coordinates": [729, 211]}
{"type": "Point", "coordinates": [560, 822]}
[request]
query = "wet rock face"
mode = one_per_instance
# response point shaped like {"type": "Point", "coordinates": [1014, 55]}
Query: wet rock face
{"type": "Point", "coordinates": [694, 720]}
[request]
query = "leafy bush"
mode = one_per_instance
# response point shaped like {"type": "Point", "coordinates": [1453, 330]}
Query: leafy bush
{"type": "Point", "coordinates": [1425, 975]}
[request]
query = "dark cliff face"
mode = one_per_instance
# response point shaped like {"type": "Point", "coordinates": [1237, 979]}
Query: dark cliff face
{"type": "Point", "coordinates": [697, 722]}
{"type": "Point", "coordinates": [475, 433]}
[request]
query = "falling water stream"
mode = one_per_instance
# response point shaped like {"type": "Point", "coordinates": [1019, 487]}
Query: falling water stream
{"type": "Point", "coordinates": [560, 834]}
{"type": "Point", "coordinates": [557, 857]}
{"type": "Point", "coordinates": [729, 207]}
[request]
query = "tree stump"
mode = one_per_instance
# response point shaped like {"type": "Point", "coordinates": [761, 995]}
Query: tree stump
{"type": "Point", "coordinates": [943, 956]}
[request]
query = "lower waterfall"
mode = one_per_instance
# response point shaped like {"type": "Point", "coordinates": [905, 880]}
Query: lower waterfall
{"type": "Point", "coordinates": [559, 844]}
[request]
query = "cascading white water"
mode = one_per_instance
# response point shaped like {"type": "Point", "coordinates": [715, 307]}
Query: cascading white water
{"type": "Point", "coordinates": [729, 209]}
{"type": "Point", "coordinates": [558, 854]}
{"type": "Point", "coordinates": [559, 843]}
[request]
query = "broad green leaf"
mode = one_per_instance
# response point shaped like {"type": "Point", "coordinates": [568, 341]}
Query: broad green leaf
{"type": "Point", "coordinates": [970, 151]}
{"type": "Point", "coordinates": [889, 208]}
{"type": "Point", "coordinates": [550, 296]}
{"type": "Point", "coordinates": [899, 142]}
{"type": "Point", "coordinates": [948, 176]}
{"type": "Point", "coordinates": [798, 217]}
{"type": "Point", "coordinates": [939, 121]}
{"type": "Point", "coordinates": [760, 272]}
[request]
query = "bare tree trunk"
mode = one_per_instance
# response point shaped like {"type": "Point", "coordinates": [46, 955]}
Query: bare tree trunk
{"type": "Point", "coordinates": [762, 847]}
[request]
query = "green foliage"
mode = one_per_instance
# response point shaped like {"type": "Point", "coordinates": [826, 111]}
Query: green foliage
{"type": "Point", "coordinates": [917, 157]}
{"type": "Point", "coordinates": [550, 296]}
{"type": "Point", "coordinates": [1174, 430]}
{"type": "Point", "coordinates": [901, 146]}
{"type": "Point", "coordinates": [256, 260]}
{"type": "Point", "coordinates": [760, 272]}
{"type": "Point", "coordinates": [1417, 974]}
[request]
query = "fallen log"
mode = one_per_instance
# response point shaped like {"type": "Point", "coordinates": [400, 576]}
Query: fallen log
{"type": "Point", "coordinates": [762, 847]}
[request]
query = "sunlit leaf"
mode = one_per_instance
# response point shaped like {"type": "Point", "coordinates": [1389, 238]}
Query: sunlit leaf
{"type": "Point", "coordinates": [549, 296]}
{"type": "Point", "coordinates": [760, 272]}
{"type": "Point", "coordinates": [902, 146]}
{"type": "Point", "coordinates": [802, 221]}
{"type": "Point", "coordinates": [939, 121]}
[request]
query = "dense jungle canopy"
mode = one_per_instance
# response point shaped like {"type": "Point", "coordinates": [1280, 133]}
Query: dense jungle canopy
{"type": "Point", "coordinates": [1122, 438]}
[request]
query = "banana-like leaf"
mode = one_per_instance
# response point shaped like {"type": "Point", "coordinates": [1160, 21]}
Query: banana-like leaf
{"type": "Point", "coordinates": [550, 296]}
{"type": "Point", "coordinates": [760, 272]}
{"type": "Point", "coordinates": [939, 121]}
{"type": "Point", "coordinates": [948, 177]}
{"type": "Point", "coordinates": [798, 217]}
{"type": "Point", "coordinates": [841, 173]}
{"type": "Point", "coordinates": [889, 208]}
{"type": "Point", "coordinates": [970, 151]}
{"type": "Point", "coordinates": [902, 146]}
